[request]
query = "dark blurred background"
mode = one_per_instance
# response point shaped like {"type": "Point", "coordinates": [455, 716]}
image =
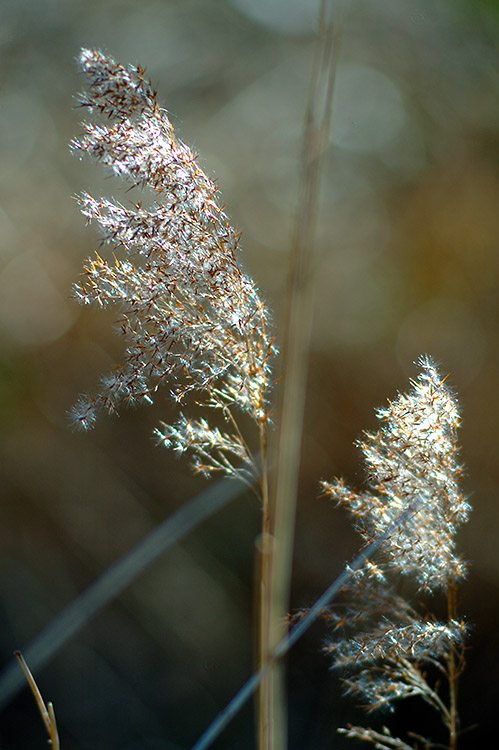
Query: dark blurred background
{"type": "Point", "coordinates": [407, 264]}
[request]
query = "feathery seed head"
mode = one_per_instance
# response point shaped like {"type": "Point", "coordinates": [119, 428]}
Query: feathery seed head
{"type": "Point", "coordinates": [378, 637]}
{"type": "Point", "coordinates": [413, 459]}
{"type": "Point", "coordinates": [189, 314]}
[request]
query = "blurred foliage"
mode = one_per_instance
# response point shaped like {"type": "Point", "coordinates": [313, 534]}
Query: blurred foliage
{"type": "Point", "coordinates": [408, 246]}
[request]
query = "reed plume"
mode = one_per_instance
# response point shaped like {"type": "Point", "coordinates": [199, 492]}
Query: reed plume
{"type": "Point", "coordinates": [190, 316]}
{"type": "Point", "coordinates": [382, 642]}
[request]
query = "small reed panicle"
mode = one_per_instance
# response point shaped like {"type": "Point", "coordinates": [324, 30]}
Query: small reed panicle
{"type": "Point", "coordinates": [380, 640]}
{"type": "Point", "coordinates": [190, 316]}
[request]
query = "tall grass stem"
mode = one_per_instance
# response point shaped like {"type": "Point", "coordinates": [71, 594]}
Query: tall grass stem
{"type": "Point", "coordinates": [298, 325]}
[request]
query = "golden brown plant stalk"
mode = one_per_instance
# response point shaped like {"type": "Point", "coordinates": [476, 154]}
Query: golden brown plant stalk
{"type": "Point", "coordinates": [46, 710]}
{"type": "Point", "coordinates": [295, 360]}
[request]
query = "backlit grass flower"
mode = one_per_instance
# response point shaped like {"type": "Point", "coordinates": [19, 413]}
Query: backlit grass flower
{"type": "Point", "coordinates": [190, 316]}
{"type": "Point", "coordinates": [381, 643]}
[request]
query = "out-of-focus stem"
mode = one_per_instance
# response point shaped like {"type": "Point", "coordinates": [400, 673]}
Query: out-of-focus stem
{"type": "Point", "coordinates": [278, 548]}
